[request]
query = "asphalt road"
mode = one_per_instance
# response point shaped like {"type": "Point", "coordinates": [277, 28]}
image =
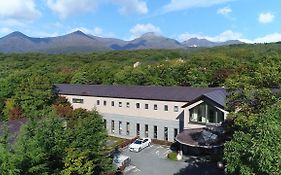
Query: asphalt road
{"type": "Point", "coordinates": [153, 161]}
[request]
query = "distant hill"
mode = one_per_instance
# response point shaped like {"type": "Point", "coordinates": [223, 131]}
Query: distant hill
{"type": "Point", "coordinates": [78, 42]}
{"type": "Point", "coordinates": [195, 42]}
{"type": "Point", "coordinates": [149, 41]}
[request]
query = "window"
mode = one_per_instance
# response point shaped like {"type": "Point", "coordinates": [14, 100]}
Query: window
{"type": "Point", "coordinates": [155, 107]}
{"type": "Point", "coordinates": [127, 104]}
{"type": "Point", "coordinates": [176, 109]}
{"type": "Point", "coordinates": [146, 106]}
{"type": "Point", "coordinates": [175, 132]}
{"type": "Point", "coordinates": [205, 113]}
{"type": "Point", "coordinates": [165, 107]}
{"type": "Point", "coordinates": [120, 104]}
{"type": "Point", "coordinates": [138, 129]}
{"type": "Point", "coordinates": [166, 133]}
{"type": "Point", "coordinates": [98, 102]}
{"type": "Point", "coordinates": [212, 115]}
{"type": "Point", "coordinates": [77, 100]}
{"type": "Point", "coordinates": [112, 103]}
{"type": "Point", "coordinates": [137, 105]}
{"type": "Point", "coordinates": [155, 132]}
{"type": "Point", "coordinates": [104, 103]}
{"type": "Point", "coordinates": [120, 127]}
{"type": "Point", "coordinates": [112, 126]}
{"type": "Point", "coordinates": [146, 130]}
{"type": "Point", "coordinates": [128, 128]}
{"type": "Point", "coordinates": [104, 122]}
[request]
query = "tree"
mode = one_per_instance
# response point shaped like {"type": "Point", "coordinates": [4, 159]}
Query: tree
{"type": "Point", "coordinates": [258, 149]}
{"type": "Point", "coordinates": [40, 147]}
{"type": "Point", "coordinates": [88, 134]}
{"type": "Point", "coordinates": [7, 160]}
{"type": "Point", "coordinates": [77, 162]}
{"type": "Point", "coordinates": [34, 94]}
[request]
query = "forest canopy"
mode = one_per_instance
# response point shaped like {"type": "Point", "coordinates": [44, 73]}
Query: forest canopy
{"type": "Point", "coordinates": [250, 73]}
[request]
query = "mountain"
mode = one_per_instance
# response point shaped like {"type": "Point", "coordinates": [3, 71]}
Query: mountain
{"type": "Point", "coordinates": [77, 42]}
{"type": "Point", "coordinates": [109, 42]}
{"type": "Point", "coordinates": [16, 42]}
{"type": "Point", "coordinates": [150, 41]}
{"type": "Point", "coordinates": [195, 42]}
{"type": "Point", "coordinates": [70, 43]}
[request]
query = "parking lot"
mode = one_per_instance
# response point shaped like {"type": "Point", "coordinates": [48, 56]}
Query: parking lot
{"type": "Point", "coordinates": [153, 161]}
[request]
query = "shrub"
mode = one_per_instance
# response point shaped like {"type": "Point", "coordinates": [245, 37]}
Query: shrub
{"type": "Point", "coordinates": [161, 142]}
{"type": "Point", "coordinates": [172, 155]}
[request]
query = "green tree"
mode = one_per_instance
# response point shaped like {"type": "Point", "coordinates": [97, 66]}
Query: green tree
{"type": "Point", "coordinates": [40, 147]}
{"type": "Point", "coordinates": [78, 162]}
{"type": "Point", "coordinates": [34, 94]}
{"type": "Point", "coordinates": [88, 134]}
{"type": "Point", "coordinates": [258, 149]}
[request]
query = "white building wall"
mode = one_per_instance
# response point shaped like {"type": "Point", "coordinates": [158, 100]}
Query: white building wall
{"type": "Point", "coordinates": [91, 103]}
{"type": "Point", "coordinates": [134, 115]}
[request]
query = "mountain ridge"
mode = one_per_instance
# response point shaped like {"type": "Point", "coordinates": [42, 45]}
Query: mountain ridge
{"type": "Point", "coordinates": [77, 41]}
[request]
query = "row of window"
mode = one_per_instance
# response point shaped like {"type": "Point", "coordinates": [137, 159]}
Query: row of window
{"type": "Point", "coordinates": [138, 105]}
{"type": "Point", "coordinates": [127, 130]}
{"type": "Point", "coordinates": [120, 104]}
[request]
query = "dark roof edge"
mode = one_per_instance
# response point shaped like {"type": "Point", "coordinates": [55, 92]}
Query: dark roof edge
{"type": "Point", "coordinates": [200, 98]}
{"type": "Point", "coordinates": [123, 97]}
{"type": "Point", "coordinates": [157, 86]}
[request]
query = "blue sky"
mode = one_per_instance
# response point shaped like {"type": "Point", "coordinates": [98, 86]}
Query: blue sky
{"type": "Point", "coordinates": [216, 20]}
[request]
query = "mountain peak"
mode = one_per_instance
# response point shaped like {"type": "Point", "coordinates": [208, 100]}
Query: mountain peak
{"type": "Point", "coordinates": [78, 32]}
{"type": "Point", "coordinates": [17, 34]}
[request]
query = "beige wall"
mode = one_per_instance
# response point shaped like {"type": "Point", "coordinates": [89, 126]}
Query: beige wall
{"type": "Point", "coordinates": [91, 103]}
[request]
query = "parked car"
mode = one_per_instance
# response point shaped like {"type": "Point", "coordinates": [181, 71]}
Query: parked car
{"type": "Point", "coordinates": [140, 144]}
{"type": "Point", "coordinates": [121, 161]}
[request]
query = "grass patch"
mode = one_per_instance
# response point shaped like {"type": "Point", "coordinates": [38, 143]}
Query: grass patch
{"type": "Point", "coordinates": [113, 142]}
{"type": "Point", "coordinates": [172, 156]}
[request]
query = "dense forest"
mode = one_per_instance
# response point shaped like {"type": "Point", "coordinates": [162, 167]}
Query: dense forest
{"type": "Point", "coordinates": [250, 73]}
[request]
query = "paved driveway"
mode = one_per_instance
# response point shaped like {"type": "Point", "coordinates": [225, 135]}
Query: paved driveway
{"type": "Point", "coordinates": [153, 161]}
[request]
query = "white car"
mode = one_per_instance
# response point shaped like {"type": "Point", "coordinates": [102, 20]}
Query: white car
{"type": "Point", "coordinates": [140, 144]}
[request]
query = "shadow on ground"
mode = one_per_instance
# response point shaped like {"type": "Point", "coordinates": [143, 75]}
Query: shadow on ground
{"type": "Point", "coordinates": [200, 167]}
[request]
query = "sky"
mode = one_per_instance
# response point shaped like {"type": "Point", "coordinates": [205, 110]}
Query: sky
{"type": "Point", "coordinates": [254, 21]}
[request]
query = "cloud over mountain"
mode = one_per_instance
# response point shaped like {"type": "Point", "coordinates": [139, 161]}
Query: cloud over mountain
{"type": "Point", "coordinates": [19, 10]}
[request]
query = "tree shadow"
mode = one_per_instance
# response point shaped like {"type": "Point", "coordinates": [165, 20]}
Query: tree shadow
{"type": "Point", "coordinates": [198, 166]}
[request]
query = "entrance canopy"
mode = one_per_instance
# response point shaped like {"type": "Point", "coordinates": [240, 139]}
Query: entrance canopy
{"type": "Point", "coordinates": [201, 137]}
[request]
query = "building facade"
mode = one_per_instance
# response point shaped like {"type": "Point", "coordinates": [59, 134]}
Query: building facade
{"type": "Point", "coordinates": [149, 111]}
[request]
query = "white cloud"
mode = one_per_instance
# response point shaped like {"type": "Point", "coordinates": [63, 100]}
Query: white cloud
{"type": "Point", "coordinates": [141, 29]}
{"type": "Point", "coordinates": [266, 17]}
{"type": "Point", "coordinates": [224, 36]}
{"type": "Point", "coordinates": [231, 35]}
{"type": "Point", "coordinates": [42, 34]}
{"type": "Point", "coordinates": [225, 11]}
{"type": "Point", "coordinates": [97, 31]}
{"type": "Point", "coordinates": [131, 6]}
{"type": "Point", "coordinates": [19, 10]}
{"type": "Point", "coordinates": [13, 22]}
{"type": "Point", "coordinates": [5, 31]}
{"type": "Point", "coordinates": [273, 37]}
{"type": "Point", "coordinates": [66, 8]}
{"type": "Point", "coordinates": [176, 5]}
{"type": "Point", "coordinates": [186, 36]}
